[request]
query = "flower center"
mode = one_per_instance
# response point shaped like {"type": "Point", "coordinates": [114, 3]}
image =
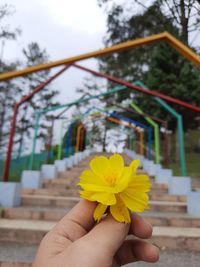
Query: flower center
{"type": "Point", "coordinates": [111, 178]}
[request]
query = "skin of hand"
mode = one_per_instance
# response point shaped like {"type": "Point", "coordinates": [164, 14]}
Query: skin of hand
{"type": "Point", "coordinates": [79, 242]}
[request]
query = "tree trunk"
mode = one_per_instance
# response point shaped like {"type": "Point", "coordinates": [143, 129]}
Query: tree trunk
{"type": "Point", "coordinates": [23, 129]}
{"type": "Point", "coordinates": [3, 119]}
{"type": "Point", "coordinates": [184, 22]}
{"type": "Point", "coordinates": [177, 159]}
{"type": "Point", "coordinates": [104, 139]}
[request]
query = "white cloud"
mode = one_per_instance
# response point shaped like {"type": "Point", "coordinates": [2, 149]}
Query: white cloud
{"type": "Point", "coordinates": [84, 15]}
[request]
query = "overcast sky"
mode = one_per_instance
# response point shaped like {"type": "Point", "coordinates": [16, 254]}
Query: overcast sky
{"type": "Point", "coordinates": [64, 27]}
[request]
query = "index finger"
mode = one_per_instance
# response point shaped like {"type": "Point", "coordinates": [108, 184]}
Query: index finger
{"type": "Point", "coordinates": [140, 227]}
{"type": "Point", "coordinates": [78, 221]}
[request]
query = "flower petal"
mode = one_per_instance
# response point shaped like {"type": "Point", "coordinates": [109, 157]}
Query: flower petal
{"type": "Point", "coordinates": [87, 195]}
{"type": "Point", "coordinates": [134, 165]}
{"type": "Point", "coordinates": [97, 188]}
{"type": "Point", "coordinates": [99, 211]}
{"type": "Point", "coordinates": [103, 198]}
{"type": "Point", "coordinates": [134, 200]}
{"type": "Point", "coordinates": [89, 177]}
{"type": "Point", "coordinates": [120, 212]}
{"type": "Point", "coordinates": [140, 182]}
{"type": "Point", "coordinates": [124, 179]}
{"type": "Point", "coordinates": [100, 166]}
{"type": "Point", "coordinates": [116, 163]}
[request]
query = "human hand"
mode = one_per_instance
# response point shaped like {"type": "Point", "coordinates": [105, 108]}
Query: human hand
{"type": "Point", "coordinates": [76, 241]}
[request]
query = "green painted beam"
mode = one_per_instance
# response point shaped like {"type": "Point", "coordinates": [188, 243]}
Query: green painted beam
{"type": "Point", "coordinates": [43, 111]}
{"type": "Point", "coordinates": [156, 132]}
{"type": "Point", "coordinates": [37, 119]}
{"type": "Point", "coordinates": [59, 155]}
{"type": "Point", "coordinates": [179, 126]}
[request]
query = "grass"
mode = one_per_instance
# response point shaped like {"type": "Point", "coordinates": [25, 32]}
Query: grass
{"type": "Point", "coordinates": [1, 212]}
{"type": "Point", "coordinates": [192, 157]}
{"type": "Point", "coordinates": [192, 165]}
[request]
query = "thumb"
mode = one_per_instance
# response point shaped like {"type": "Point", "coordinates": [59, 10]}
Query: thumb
{"type": "Point", "coordinates": [108, 235]}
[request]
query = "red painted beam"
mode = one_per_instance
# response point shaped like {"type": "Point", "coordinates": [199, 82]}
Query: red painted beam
{"type": "Point", "coordinates": [14, 119]}
{"type": "Point", "coordinates": [140, 89]}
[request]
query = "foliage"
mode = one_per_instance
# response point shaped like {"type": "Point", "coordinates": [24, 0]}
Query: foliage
{"type": "Point", "coordinates": [158, 66]}
{"type": "Point", "coordinates": [35, 55]}
{"type": "Point", "coordinates": [9, 90]}
{"type": "Point", "coordinates": [185, 14]}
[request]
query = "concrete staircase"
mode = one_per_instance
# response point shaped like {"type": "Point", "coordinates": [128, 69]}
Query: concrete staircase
{"type": "Point", "coordinates": [22, 228]}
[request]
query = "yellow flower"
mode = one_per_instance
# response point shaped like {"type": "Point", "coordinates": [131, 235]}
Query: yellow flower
{"type": "Point", "coordinates": [113, 185]}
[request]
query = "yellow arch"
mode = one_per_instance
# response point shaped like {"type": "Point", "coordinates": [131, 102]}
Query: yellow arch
{"type": "Point", "coordinates": [165, 36]}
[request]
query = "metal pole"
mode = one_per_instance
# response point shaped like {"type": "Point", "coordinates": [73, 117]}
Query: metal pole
{"type": "Point", "coordinates": [143, 126]}
{"type": "Point", "coordinates": [59, 155]}
{"type": "Point", "coordinates": [181, 144]}
{"type": "Point", "coordinates": [78, 137]}
{"type": "Point", "coordinates": [82, 138]}
{"type": "Point", "coordinates": [13, 126]}
{"type": "Point", "coordinates": [140, 89]}
{"type": "Point", "coordinates": [180, 131]}
{"type": "Point", "coordinates": [37, 119]}
{"type": "Point", "coordinates": [164, 123]}
{"type": "Point", "coordinates": [50, 141]}
{"type": "Point", "coordinates": [156, 132]}
{"type": "Point", "coordinates": [10, 144]}
{"type": "Point", "coordinates": [180, 135]}
{"type": "Point", "coordinates": [164, 36]}
{"type": "Point", "coordinates": [142, 143]}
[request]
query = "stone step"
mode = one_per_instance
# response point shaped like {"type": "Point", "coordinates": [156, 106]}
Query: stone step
{"type": "Point", "coordinates": [24, 231]}
{"type": "Point", "coordinates": [31, 232]}
{"type": "Point", "coordinates": [168, 206]}
{"type": "Point", "coordinates": [172, 219]}
{"type": "Point", "coordinates": [156, 196]}
{"type": "Point", "coordinates": [16, 254]}
{"type": "Point", "coordinates": [166, 197]}
{"type": "Point", "coordinates": [55, 214]}
{"type": "Point", "coordinates": [34, 213]}
{"type": "Point", "coordinates": [52, 201]}
{"type": "Point", "coordinates": [62, 183]}
{"type": "Point", "coordinates": [51, 192]}
{"type": "Point", "coordinates": [177, 238]}
{"type": "Point", "coordinates": [68, 202]}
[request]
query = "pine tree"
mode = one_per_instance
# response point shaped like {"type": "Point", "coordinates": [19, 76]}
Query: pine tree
{"type": "Point", "coordinates": [35, 55]}
{"type": "Point", "coordinates": [159, 66]}
{"type": "Point", "coordinates": [9, 90]}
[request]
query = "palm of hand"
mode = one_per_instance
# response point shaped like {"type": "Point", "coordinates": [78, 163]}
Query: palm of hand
{"type": "Point", "coordinates": [76, 241]}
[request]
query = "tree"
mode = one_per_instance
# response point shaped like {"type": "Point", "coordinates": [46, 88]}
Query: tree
{"type": "Point", "coordinates": [185, 14]}
{"type": "Point", "coordinates": [5, 32]}
{"type": "Point", "coordinates": [9, 90]}
{"type": "Point", "coordinates": [34, 55]}
{"type": "Point", "coordinates": [12, 91]}
{"type": "Point", "coordinates": [157, 65]}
